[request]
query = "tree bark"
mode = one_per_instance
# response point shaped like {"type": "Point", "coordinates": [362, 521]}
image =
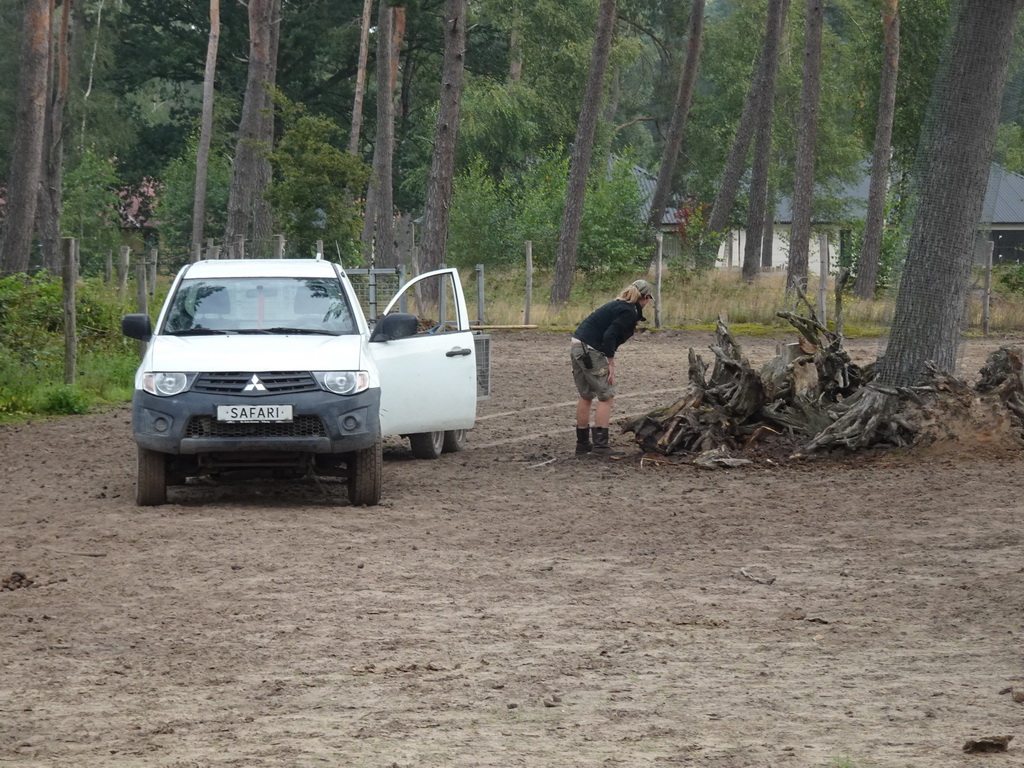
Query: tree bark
{"type": "Point", "coordinates": [871, 248]}
{"type": "Point", "coordinates": [205, 129]}
{"type": "Point", "coordinates": [29, 129]}
{"type": "Point", "coordinates": [247, 210]}
{"type": "Point", "coordinates": [680, 114]}
{"type": "Point", "coordinates": [763, 141]}
{"type": "Point", "coordinates": [357, 103]}
{"type": "Point", "coordinates": [806, 147]}
{"type": "Point", "coordinates": [728, 188]}
{"type": "Point", "coordinates": [579, 164]}
{"type": "Point", "coordinates": [768, 231]}
{"type": "Point", "coordinates": [49, 206]}
{"type": "Point", "coordinates": [950, 183]}
{"type": "Point", "coordinates": [378, 227]}
{"type": "Point", "coordinates": [446, 133]}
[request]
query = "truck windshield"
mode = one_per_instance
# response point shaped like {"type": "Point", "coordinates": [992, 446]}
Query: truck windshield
{"type": "Point", "coordinates": [259, 305]}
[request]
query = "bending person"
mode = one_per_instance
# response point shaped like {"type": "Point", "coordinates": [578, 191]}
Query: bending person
{"type": "Point", "coordinates": [592, 354]}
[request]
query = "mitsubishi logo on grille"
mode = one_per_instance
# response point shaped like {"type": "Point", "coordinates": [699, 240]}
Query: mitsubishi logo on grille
{"type": "Point", "coordinates": [254, 385]}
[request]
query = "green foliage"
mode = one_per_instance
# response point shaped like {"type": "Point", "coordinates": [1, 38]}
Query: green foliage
{"type": "Point", "coordinates": [477, 229]}
{"type": "Point", "coordinates": [613, 232]}
{"type": "Point", "coordinates": [893, 247]}
{"type": "Point", "coordinates": [176, 201]}
{"type": "Point", "coordinates": [1010, 146]}
{"type": "Point", "coordinates": [1011, 278]}
{"type": "Point", "coordinates": [316, 184]}
{"type": "Point", "coordinates": [491, 221]}
{"type": "Point", "coordinates": [538, 200]}
{"type": "Point", "coordinates": [502, 124]}
{"type": "Point", "coordinates": [32, 347]}
{"type": "Point", "coordinates": [61, 399]}
{"type": "Point", "coordinates": [89, 209]}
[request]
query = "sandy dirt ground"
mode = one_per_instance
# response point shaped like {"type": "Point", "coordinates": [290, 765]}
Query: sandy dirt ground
{"type": "Point", "coordinates": [512, 606]}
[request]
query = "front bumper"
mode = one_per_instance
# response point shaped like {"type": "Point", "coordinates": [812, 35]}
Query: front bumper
{"type": "Point", "coordinates": [322, 423]}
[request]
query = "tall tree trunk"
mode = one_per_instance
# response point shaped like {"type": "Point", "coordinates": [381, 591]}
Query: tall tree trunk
{"type": "Point", "coordinates": [48, 209]}
{"type": "Point", "coordinates": [768, 233]}
{"type": "Point", "coordinates": [246, 207]}
{"type": "Point", "coordinates": [949, 182]}
{"type": "Point", "coordinates": [357, 102]}
{"type": "Point", "coordinates": [29, 129]}
{"type": "Point", "coordinates": [92, 73]}
{"type": "Point", "coordinates": [384, 145]}
{"type": "Point", "coordinates": [729, 187]}
{"type": "Point", "coordinates": [579, 164]}
{"type": "Point", "coordinates": [263, 214]}
{"type": "Point", "coordinates": [378, 228]}
{"type": "Point", "coordinates": [871, 248]}
{"type": "Point", "coordinates": [515, 45]}
{"type": "Point", "coordinates": [205, 129]}
{"type": "Point", "coordinates": [446, 134]}
{"type": "Point", "coordinates": [763, 141]}
{"type": "Point", "coordinates": [806, 147]}
{"type": "Point", "coordinates": [680, 114]}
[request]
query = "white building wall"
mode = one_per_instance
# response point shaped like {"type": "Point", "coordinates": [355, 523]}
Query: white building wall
{"type": "Point", "coordinates": [780, 251]}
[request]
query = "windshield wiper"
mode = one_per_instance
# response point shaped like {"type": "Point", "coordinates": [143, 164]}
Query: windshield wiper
{"type": "Point", "coordinates": [283, 330]}
{"type": "Point", "coordinates": [200, 332]}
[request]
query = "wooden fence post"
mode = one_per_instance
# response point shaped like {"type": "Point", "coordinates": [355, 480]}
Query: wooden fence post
{"type": "Point", "coordinates": [70, 278]}
{"type": "Point", "coordinates": [153, 255]}
{"type": "Point", "coordinates": [278, 246]}
{"type": "Point", "coordinates": [823, 279]}
{"type": "Point", "coordinates": [529, 282]}
{"type": "Point", "coordinates": [122, 271]}
{"type": "Point", "coordinates": [659, 238]}
{"type": "Point", "coordinates": [480, 294]}
{"type": "Point", "coordinates": [986, 297]}
{"type": "Point", "coordinates": [108, 267]}
{"type": "Point", "coordinates": [141, 296]}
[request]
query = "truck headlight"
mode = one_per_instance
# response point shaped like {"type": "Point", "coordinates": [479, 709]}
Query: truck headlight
{"type": "Point", "coordinates": [343, 382]}
{"type": "Point", "coordinates": [166, 384]}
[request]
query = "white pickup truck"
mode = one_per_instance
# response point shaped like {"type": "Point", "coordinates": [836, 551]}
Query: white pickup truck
{"type": "Point", "coordinates": [268, 367]}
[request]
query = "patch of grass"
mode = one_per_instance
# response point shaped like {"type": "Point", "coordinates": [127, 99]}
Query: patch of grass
{"type": "Point", "coordinates": [61, 400]}
{"type": "Point", "coordinates": [687, 301]}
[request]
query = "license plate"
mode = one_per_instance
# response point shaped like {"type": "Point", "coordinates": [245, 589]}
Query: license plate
{"type": "Point", "coordinates": [254, 413]}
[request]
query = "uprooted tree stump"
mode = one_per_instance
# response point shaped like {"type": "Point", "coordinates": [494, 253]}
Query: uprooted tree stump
{"type": "Point", "coordinates": [813, 392]}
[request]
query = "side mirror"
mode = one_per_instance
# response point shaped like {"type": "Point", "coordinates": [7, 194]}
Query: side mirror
{"type": "Point", "coordinates": [398, 325]}
{"type": "Point", "coordinates": [137, 327]}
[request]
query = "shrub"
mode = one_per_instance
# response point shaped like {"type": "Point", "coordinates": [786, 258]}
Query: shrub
{"type": "Point", "coordinates": [61, 399]}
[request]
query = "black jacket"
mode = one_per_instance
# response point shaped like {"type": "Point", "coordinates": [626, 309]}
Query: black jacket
{"type": "Point", "coordinates": [608, 326]}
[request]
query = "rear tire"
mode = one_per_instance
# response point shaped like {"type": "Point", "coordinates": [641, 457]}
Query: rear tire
{"type": "Point", "coordinates": [364, 476]}
{"type": "Point", "coordinates": [454, 440]}
{"type": "Point", "coordinates": [151, 478]}
{"type": "Point", "coordinates": [426, 445]}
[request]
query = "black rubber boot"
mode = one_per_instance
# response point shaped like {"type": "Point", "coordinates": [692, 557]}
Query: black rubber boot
{"type": "Point", "coordinates": [583, 445]}
{"type": "Point", "coordinates": [601, 447]}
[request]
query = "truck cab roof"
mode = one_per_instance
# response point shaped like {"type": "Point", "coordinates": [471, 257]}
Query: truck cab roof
{"type": "Point", "coordinates": [261, 268]}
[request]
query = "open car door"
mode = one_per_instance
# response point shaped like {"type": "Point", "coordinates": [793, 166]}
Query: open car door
{"type": "Point", "coordinates": [428, 381]}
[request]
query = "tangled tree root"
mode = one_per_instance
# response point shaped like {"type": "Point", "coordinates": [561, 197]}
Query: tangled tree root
{"type": "Point", "coordinates": [812, 389]}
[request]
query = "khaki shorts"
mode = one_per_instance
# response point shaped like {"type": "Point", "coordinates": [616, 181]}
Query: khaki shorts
{"type": "Point", "coordinates": [590, 382]}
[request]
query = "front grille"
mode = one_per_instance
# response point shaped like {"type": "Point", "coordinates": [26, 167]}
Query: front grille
{"type": "Point", "coordinates": [302, 426]}
{"type": "Point", "coordinates": [272, 383]}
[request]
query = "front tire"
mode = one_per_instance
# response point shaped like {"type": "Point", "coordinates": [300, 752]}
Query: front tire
{"type": "Point", "coordinates": [364, 476]}
{"type": "Point", "coordinates": [454, 440]}
{"type": "Point", "coordinates": [426, 445]}
{"type": "Point", "coordinates": [151, 478]}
